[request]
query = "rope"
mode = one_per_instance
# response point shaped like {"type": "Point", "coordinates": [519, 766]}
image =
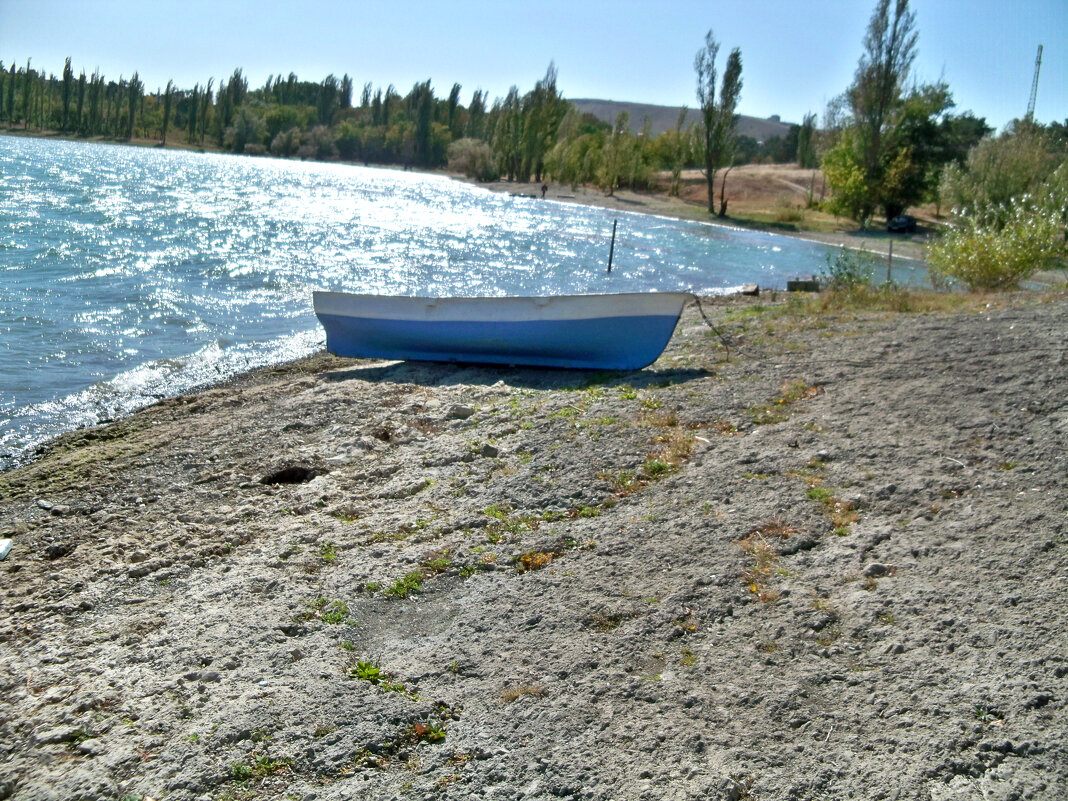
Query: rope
{"type": "Point", "coordinates": [718, 333]}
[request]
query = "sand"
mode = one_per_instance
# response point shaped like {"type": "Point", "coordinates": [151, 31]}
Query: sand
{"type": "Point", "coordinates": [827, 563]}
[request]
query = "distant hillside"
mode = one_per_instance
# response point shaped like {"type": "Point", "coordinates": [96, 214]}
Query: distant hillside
{"type": "Point", "coordinates": [664, 117]}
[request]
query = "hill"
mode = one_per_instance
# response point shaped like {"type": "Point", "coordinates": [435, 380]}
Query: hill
{"type": "Point", "coordinates": [664, 118]}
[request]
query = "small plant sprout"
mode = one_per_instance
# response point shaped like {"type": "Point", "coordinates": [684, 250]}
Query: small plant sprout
{"type": "Point", "coordinates": [407, 585]}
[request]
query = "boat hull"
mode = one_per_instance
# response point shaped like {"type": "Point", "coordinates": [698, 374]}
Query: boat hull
{"type": "Point", "coordinates": [602, 332]}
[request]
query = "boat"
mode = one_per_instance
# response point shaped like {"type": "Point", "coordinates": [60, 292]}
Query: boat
{"type": "Point", "coordinates": [625, 331]}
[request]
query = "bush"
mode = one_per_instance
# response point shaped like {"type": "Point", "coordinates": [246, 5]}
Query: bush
{"type": "Point", "coordinates": [474, 159]}
{"type": "Point", "coordinates": [999, 248]}
{"type": "Point", "coordinates": [849, 269]}
{"type": "Point", "coordinates": [286, 142]}
{"type": "Point", "coordinates": [318, 143]}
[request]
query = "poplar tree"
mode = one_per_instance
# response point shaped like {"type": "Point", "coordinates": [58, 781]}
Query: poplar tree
{"type": "Point", "coordinates": [476, 116]}
{"type": "Point", "coordinates": [205, 110]}
{"type": "Point", "coordinates": [79, 126]}
{"type": "Point", "coordinates": [191, 118]}
{"type": "Point", "coordinates": [68, 87]}
{"type": "Point", "coordinates": [11, 95]}
{"type": "Point", "coordinates": [718, 118]}
{"type": "Point", "coordinates": [878, 85]}
{"type": "Point", "coordinates": [134, 93]}
{"type": "Point", "coordinates": [27, 85]}
{"type": "Point", "coordinates": [454, 104]}
{"type": "Point", "coordinates": [345, 99]}
{"type": "Point", "coordinates": [167, 98]}
{"type": "Point", "coordinates": [806, 143]}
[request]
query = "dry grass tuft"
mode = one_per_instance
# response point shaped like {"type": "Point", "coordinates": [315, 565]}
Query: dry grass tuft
{"type": "Point", "coordinates": [516, 691]}
{"type": "Point", "coordinates": [760, 544]}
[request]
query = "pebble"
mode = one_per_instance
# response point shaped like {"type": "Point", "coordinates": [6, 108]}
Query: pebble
{"type": "Point", "coordinates": [59, 734]}
{"type": "Point", "coordinates": [876, 569]}
{"type": "Point", "coordinates": [459, 412]}
{"type": "Point", "coordinates": [91, 747]}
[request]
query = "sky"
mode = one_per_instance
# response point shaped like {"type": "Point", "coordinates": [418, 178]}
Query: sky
{"type": "Point", "coordinates": [796, 55]}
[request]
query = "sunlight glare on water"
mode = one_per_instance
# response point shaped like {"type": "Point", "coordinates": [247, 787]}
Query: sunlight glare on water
{"type": "Point", "coordinates": [130, 274]}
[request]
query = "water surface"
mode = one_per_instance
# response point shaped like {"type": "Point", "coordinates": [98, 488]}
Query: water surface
{"type": "Point", "coordinates": [129, 274]}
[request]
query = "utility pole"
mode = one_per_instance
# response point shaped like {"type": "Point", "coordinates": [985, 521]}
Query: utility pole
{"type": "Point", "coordinates": [1034, 86]}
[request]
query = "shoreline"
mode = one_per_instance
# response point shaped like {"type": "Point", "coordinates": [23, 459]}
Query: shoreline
{"type": "Point", "coordinates": [663, 206]}
{"type": "Point", "coordinates": [353, 578]}
{"type": "Point", "coordinates": [874, 242]}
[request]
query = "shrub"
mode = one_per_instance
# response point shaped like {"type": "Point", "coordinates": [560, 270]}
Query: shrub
{"type": "Point", "coordinates": [999, 248]}
{"type": "Point", "coordinates": [318, 143]}
{"type": "Point", "coordinates": [474, 159]}
{"type": "Point", "coordinates": [849, 269]}
{"type": "Point", "coordinates": [286, 143]}
{"type": "Point", "coordinates": [786, 210]}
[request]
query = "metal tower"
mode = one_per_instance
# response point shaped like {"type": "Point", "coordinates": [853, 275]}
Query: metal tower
{"type": "Point", "coordinates": [1034, 85]}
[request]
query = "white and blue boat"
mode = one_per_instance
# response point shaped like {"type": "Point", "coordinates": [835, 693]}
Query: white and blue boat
{"type": "Point", "coordinates": [594, 332]}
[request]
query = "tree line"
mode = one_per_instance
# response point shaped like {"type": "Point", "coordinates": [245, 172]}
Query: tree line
{"type": "Point", "coordinates": [533, 135]}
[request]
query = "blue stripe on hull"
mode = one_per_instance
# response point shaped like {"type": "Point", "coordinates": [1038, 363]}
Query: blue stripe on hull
{"type": "Point", "coordinates": [606, 343]}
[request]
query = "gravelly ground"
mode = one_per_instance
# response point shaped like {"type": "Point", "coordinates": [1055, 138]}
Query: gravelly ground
{"type": "Point", "coordinates": [831, 566]}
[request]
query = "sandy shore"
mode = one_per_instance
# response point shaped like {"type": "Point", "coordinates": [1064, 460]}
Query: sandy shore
{"type": "Point", "coordinates": [828, 563]}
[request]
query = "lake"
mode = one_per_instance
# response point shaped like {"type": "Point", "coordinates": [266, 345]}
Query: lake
{"type": "Point", "coordinates": [129, 274]}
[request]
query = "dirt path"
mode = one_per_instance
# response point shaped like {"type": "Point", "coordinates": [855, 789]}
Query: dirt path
{"type": "Point", "coordinates": [833, 566]}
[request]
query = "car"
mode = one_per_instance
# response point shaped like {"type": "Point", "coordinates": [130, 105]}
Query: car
{"type": "Point", "coordinates": [902, 224]}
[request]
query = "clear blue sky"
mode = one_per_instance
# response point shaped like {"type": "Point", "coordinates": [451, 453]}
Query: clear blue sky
{"type": "Point", "coordinates": [796, 54]}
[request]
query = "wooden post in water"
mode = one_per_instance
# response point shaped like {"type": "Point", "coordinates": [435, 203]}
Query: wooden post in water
{"type": "Point", "coordinates": [889, 261]}
{"type": "Point", "coordinates": [612, 247]}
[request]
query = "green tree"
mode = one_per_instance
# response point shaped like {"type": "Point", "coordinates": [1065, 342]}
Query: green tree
{"type": "Point", "coordinates": [68, 92]}
{"type": "Point", "coordinates": [244, 130]}
{"type": "Point", "coordinates": [205, 111]}
{"type": "Point", "coordinates": [846, 176]}
{"type": "Point", "coordinates": [508, 133]}
{"type": "Point", "coordinates": [1014, 164]}
{"type": "Point", "coordinates": [191, 116]}
{"type": "Point", "coordinates": [453, 111]}
{"type": "Point", "coordinates": [96, 90]}
{"type": "Point", "coordinates": [420, 102]}
{"type": "Point", "coordinates": [542, 111]}
{"type": "Point", "coordinates": [11, 95]}
{"type": "Point", "coordinates": [806, 143]}
{"type": "Point", "coordinates": [576, 157]}
{"type": "Point", "coordinates": [476, 116]}
{"type": "Point", "coordinates": [676, 147]}
{"type": "Point", "coordinates": [80, 103]}
{"type": "Point", "coordinates": [345, 96]}
{"type": "Point", "coordinates": [873, 98]}
{"type": "Point", "coordinates": [27, 87]}
{"type": "Point", "coordinates": [135, 94]}
{"type": "Point", "coordinates": [718, 118]}
{"type": "Point", "coordinates": [168, 97]}
{"type": "Point", "coordinates": [328, 101]}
